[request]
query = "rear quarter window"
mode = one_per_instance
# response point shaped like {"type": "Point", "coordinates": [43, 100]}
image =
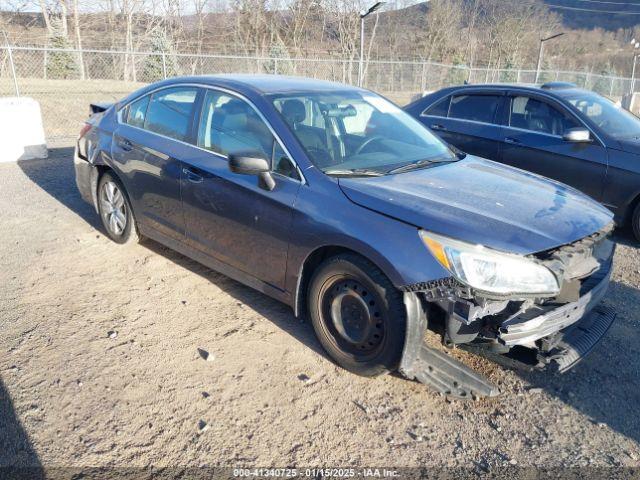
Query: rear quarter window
{"type": "Point", "coordinates": [137, 111]}
{"type": "Point", "coordinates": [439, 109]}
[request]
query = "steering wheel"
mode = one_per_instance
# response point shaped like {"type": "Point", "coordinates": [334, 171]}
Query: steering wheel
{"type": "Point", "coordinates": [320, 156]}
{"type": "Point", "coordinates": [369, 141]}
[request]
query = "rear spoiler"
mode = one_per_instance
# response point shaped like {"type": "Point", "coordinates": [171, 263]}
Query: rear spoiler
{"type": "Point", "coordinates": [98, 108]}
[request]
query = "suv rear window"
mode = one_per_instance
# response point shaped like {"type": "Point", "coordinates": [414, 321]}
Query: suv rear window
{"type": "Point", "coordinates": [479, 108]}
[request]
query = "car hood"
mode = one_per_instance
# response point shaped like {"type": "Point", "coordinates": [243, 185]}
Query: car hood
{"type": "Point", "coordinates": [483, 202]}
{"type": "Point", "coordinates": [629, 144]}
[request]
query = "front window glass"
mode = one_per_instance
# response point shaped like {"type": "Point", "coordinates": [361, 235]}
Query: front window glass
{"type": "Point", "coordinates": [531, 114]}
{"type": "Point", "coordinates": [230, 125]}
{"type": "Point", "coordinates": [358, 132]}
{"type": "Point", "coordinates": [617, 121]}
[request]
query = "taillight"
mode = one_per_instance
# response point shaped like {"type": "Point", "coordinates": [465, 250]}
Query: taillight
{"type": "Point", "coordinates": [82, 142]}
{"type": "Point", "coordinates": [85, 128]}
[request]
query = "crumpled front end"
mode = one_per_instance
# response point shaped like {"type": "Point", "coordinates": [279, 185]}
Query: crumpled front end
{"type": "Point", "coordinates": [554, 331]}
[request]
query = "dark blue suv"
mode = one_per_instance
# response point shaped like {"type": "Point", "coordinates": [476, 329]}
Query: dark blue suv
{"type": "Point", "coordinates": [562, 132]}
{"type": "Point", "coordinates": [335, 201]}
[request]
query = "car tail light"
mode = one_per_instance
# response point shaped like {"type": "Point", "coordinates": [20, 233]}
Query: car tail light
{"type": "Point", "coordinates": [85, 128]}
{"type": "Point", "coordinates": [82, 142]}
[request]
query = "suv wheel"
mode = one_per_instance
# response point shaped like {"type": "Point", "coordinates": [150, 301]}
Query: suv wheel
{"type": "Point", "coordinates": [357, 314]}
{"type": "Point", "coordinates": [115, 210]}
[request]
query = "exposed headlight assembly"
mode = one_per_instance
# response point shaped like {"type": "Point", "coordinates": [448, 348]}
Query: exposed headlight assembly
{"type": "Point", "coordinates": [488, 270]}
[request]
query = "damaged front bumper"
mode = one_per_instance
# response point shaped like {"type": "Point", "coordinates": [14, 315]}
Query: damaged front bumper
{"type": "Point", "coordinates": [537, 332]}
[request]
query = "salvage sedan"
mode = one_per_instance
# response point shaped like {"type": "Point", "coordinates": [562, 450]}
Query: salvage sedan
{"type": "Point", "coordinates": [333, 200]}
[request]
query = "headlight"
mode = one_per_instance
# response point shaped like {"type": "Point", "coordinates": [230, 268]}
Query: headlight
{"type": "Point", "coordinates": [488, 270]}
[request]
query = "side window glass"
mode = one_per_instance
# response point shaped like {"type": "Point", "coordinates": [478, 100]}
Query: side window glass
{"type": "Point", "coordinates": [479, 108]}
{"type": "Point", "coordinates": [229, 125]}
{"type": "Point", "coordinates": [282, 164]}
{"type": "Point", "coordinates": [137, 112]}
{"type": "Point", "coordinates": [170, 111]}
{"type": "Point", "coordinates": [439, 109]}
{"type": "Point", "coordinates": [531, 114]}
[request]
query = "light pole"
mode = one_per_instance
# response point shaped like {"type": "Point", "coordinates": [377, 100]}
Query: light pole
{"type": "Point", "coordinates": [636, 46]}
{"type": "Point", "coordinates": [363, 14]}
{"type": "Point", "coordinates": [542, 40]}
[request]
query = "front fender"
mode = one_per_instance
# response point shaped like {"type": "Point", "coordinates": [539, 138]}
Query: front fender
{"type": "Point", "coordinates": [394, 246]}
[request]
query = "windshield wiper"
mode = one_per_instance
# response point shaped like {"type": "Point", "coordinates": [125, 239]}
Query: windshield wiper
{"type": "Point", "coordinates": [354, 172]}
{"type": "Point", "coordinates": [419, 164]}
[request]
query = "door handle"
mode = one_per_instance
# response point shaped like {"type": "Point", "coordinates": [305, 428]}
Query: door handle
{"type": "Point", "coordinates": [437, 126]}
{"type": "Point", "coordinates": [512, 141]}
{"type": "Point", "coordinates": [125, 145]}
{"type": "Point", "coordinates": [192, 176]}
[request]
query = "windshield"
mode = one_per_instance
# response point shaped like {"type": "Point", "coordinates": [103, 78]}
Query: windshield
{"type": "Point", "coordinates": [358, 133]}
{"type": "Point", "coordinates": [617, 121]}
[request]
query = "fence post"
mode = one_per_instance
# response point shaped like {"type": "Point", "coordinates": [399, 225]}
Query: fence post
{"type": "Point", "coordinates": [611, 88]}
{"type": "Point", "coordinates": [164, 65]}
{"type": "Point", "coordinates": [12, 64]}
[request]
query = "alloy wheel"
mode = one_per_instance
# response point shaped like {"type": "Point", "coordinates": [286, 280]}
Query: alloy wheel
{"type": "Point", "coordinates": [113, 208]}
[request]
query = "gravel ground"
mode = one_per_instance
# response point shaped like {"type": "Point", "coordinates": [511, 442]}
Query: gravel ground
{"type": "Point", "coordinates": [99, 365]}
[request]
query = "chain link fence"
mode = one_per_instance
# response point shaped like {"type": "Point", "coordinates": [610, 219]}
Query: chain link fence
{"type": "Point", "coordinates": [64, 82]}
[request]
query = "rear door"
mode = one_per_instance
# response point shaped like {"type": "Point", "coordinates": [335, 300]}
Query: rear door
{"type": "Point", "coordinates": [532, 140]}
{"type": "Point", "coordinates": [147, 147]}
{"type": "Point", "coordinates": [469, 121]}
{"type": "Point", "coordinates": [229, 216]}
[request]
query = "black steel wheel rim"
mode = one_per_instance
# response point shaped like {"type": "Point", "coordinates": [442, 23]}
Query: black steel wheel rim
{"type": "Point", "coordinates": [353, 317]}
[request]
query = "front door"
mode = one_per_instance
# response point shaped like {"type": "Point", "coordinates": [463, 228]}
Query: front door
{"type": "Point", "coordinates": [229, 216]}
{"type": "Point", "coordinates": [532, 140]}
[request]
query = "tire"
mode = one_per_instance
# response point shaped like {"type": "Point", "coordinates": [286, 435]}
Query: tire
{"type": "Point", "coordinates": [635, 222]}
{"type": "Point", "coordinates": [115, 210]}
{"type": "Point", "coordinates": [357, 314]}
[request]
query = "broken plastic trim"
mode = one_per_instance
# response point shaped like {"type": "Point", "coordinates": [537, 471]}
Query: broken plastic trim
{"type": "Point", "coordinates": [441, 372]}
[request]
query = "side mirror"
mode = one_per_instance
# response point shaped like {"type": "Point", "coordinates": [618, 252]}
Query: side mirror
{"type": "Point", "coordinates": [252, 163]}
{"type": "Point", "coordinates": [577, 135]}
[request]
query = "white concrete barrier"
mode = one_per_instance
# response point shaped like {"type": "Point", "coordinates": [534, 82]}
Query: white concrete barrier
{"type": "Point", "coordinates": [21, 131]}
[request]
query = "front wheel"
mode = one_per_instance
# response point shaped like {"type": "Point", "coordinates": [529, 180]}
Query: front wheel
{"type": "Point", "coordinates": [635, 222]}
{"type": "Point", "coordinates": [357, 314]}
{"type": "Point", "coordinates": [115, 210]}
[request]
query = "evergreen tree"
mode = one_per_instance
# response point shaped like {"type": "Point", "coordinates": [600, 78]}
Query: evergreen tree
{"type": "Point", "coordinates": [61, 64]}
{"type": "Point", "coordinates": [153, 66]}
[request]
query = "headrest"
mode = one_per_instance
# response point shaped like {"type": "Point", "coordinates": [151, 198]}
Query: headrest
{"type": "Point", "coordinates": [294, 111]}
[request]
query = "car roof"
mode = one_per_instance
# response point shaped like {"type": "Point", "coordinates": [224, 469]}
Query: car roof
{"type": "Point", "coordinates": [558, 89]}
{"type": "Point", "coordinates": [265, 84]}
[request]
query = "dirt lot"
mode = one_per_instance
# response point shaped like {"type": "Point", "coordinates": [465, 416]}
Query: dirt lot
{"type": "Point", "coordinates": [73, 395]}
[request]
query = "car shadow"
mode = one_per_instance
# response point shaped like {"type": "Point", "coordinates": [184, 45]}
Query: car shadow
{"type": "Point", "coordinates": [56, 176]}
{"type": "Point", "coordinates": [604, 386]}
{"type": "Point", "coordinates": [18, 458]}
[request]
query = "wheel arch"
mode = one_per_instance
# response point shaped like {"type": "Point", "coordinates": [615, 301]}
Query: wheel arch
{"type": "Point", "coordinates": [99, 170]}
{"type": "Point", "coordinates": [316, 257]}
{"type": "Point", "coordinates": [627, 216]}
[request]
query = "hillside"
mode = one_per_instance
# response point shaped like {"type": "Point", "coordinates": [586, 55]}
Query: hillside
{"type": "Point", "coordinates": [581, 14]}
